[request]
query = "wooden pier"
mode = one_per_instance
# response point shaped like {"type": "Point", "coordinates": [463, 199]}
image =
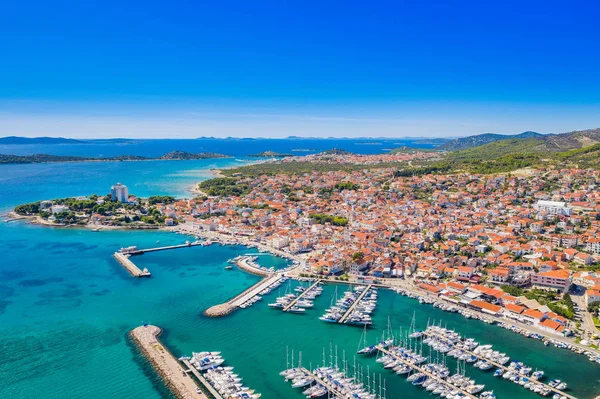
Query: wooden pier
{"type": "Point", "coordinates": [351, 308]}
{"type": "Point", "coordinates": [295, 301]}
{"type": "Point", "coordinates": [424, 371]}
{"type": "Point", "coordinates": [500, 366]}
{"type": "Point", "coordinates": [130, 266]}
{"type": "Point", "coordinates": [202, 380]}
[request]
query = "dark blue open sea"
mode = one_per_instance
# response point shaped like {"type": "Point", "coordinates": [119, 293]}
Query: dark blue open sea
{"type": "Point", "coordinates": [232, 146]}
{"type": "Point", "coordinates": [66, 306]}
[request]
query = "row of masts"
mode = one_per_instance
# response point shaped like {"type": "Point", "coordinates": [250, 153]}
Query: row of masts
{"type": "Point", "coordinates": [373, 383]}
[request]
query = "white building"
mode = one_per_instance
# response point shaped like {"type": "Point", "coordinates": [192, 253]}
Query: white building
{"type": "Point", "coordinates": [279, 242]}
{"type": "Point", "coordinates": [119, 192]}
{"type": "Point", "coordinates": [553, 207]}
{"type": "Point", "coordinates": [593, 245]}
{"type": "Point", "coordinates": [59, 208]}
{"type": "Point", "coordinates": [357, 268]}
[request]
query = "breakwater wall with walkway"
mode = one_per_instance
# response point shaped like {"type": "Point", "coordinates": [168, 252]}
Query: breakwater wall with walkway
{"type": "Point", "coordinates": [231, 305]}
{"type": "Point", "coordinates": [130, 266]}
{"type": "Point", "coordinates": [164, 363]}
{"type": "Point", "coordinates": [245, 264]}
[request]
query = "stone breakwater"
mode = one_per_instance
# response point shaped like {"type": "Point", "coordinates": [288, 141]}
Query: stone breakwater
{"type": "Point", "coordinates": [164, 363]}
{"type": "Point", "coordinates": [231, 305]}
{"type": "Point", "coordinates": [243, 264]}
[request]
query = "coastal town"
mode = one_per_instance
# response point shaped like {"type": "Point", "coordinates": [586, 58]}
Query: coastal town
{"type": "Point", "coordinates": [519, 250]}
{"type": "Point", "coordinates": [522, 245]}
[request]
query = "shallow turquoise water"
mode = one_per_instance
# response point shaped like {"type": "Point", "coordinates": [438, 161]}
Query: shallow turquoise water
{"type": "Point", "coordinates": [34, 182]}
{"type": "Point", "coordinates": [66, 307]}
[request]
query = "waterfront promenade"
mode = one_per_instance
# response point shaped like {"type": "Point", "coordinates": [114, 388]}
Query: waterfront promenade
{"type": "Point", "coordinates": [186, 228]}
{"type": "Point", "coordinates": [411, 288]}
{"type": "Point", "coordinates": [164, 363]}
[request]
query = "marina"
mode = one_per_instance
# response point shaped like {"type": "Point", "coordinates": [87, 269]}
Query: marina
{"type": "Point", "coordinates": [251, 295]}
{"type": "Point", "coordinates": [442, 339]}
{"type": "Point", "coordinates": [303, 294]}
{"type": "Point", "coordinates": [354, 307]}
{"type": "Point", "coordinates": [248, 264]}
{"type": "Point", "coordinates": [454, 391]}
{"type": "Point", "coordinates": [192, 370]}
{"type": "Point", "coordinates": [220, 381]}
{"type": "Point", "coordinates": [350, 311]}
{"type": "Point", "coordinates": [525, 330]}
{"type": "Point", "coordinates": [262, 341]}
{"type": "Point", "coordinates": [335, 380]}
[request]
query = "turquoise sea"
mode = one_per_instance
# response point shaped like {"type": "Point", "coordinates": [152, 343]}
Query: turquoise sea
{"type": "Point", "coordinates": [66, 306]}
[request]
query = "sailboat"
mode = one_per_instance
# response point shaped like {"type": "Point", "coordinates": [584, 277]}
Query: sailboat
{"type": "Point", "coordinates": [367, 349]}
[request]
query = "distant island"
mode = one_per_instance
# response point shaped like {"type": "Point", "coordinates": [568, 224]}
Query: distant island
{"type": "Point", "coordinates": [270, 154]}
{"type": "Point", "coordinates": [432, 141]}
{"type": "Point", "coordinates": [44, 158]}
{"type": "Point", "coordinates": [11, 140]}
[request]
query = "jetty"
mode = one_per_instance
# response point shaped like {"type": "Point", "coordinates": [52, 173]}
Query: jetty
{"type": "Point", "coordinates": [130, 266]}
{"type": "Point", "coordinates": [333, 391]}
{"type": "Point", "coordinates": [243, 263]}
{"type": "Point", "coordinates": [351, 308]}
{"type": "Point", "coordinates": [293, 303]}
{"type": "Point", "coordinates": [424, 371]}
{"type": "Point", "coordinates": [498, 365]}
{"type": "Point", "coordinates": [166, 365]}
{"type": "Point", "coordinates": [231, 305]}
{"type": "Point", "coordinates": [191, 369]}
{"type": "Point", "coordinates": [137, 251]}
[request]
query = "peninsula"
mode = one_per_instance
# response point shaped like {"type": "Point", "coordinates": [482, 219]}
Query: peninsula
{"type": "Point", "coordinates": [44, 158]}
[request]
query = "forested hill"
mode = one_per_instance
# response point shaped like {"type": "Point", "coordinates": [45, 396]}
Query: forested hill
{"type": "Point", "coordinates": [544, 142]}
{"type": "Point", "coordinates": [463, 143]}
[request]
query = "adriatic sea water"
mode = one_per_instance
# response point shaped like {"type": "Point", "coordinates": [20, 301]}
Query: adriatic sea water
{"type": "Point", "coordinates": [66, 306]}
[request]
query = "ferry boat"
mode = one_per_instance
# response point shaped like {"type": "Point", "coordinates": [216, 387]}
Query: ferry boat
{"type": "Point", "coordinates": [128, 250]}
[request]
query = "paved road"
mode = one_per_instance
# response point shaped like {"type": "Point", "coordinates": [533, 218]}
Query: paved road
{"type": "Point", "coordinates": [587, 322]}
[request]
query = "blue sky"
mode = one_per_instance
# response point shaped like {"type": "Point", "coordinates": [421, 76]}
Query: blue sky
{"type": "Point", "coordinates": [189, 69]}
